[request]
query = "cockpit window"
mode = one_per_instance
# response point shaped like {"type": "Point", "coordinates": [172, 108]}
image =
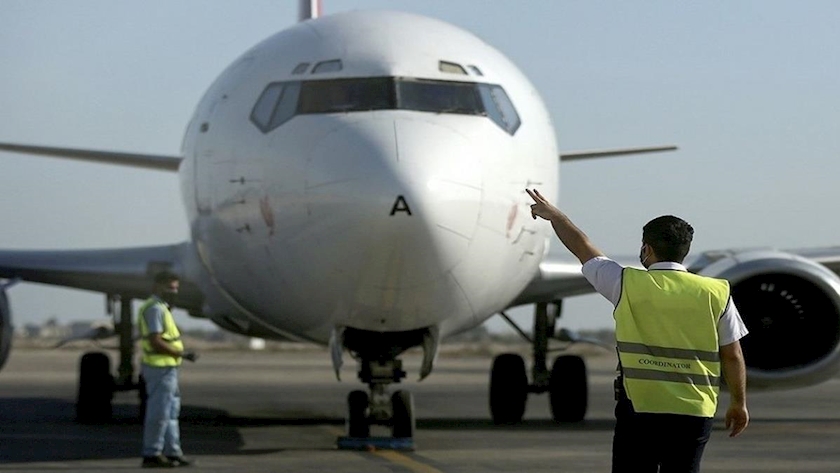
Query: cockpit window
{"type": "Point", "coordinates": [277, 104]}
{"type": "Point", "coordinates": [451, 68]}
{"type": "Point", "coordinates": [281, 101]}
{"type": "Point", "coordinates": [300, 68]}
{"type": "Point", "coordinates": [475, 70]}
{"type": "Point", "coordinates": [327, 66]}
{"type": "Point", "coordinates": [439, 97]}
{"type": "Point", "coordinates": [346, 95]}
{"type": "Point", "coordinates": [499, 107]}
{"type": "Point", "coordinates": [286, 106]}
{"type": "Point", "coordinates": [261, 114]}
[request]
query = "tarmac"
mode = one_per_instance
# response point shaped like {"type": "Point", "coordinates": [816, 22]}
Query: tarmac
{"type": "Point", "coordinates": [269, 411]}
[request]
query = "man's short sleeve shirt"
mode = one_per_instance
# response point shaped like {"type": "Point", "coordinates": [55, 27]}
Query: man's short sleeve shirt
{"type": "Point", "coordinates": [605, 276]}
{"type": "Point", "coordinates": [153, 315]}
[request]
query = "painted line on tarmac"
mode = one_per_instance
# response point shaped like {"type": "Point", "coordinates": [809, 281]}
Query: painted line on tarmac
{"type": "Point", "coordinates": [405, 461]}
{"type": "Point", "coordinates": [393, 456]}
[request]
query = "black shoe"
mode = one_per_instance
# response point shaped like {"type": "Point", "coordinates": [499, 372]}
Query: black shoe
{"type": "Point", "coordinates": [157, 461]}
{"type": "Point", "coordinates": [179, 461]}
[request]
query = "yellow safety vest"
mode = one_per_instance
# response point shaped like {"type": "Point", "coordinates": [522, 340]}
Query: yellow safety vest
{"type": "Point", "coordinates": [666, 332]}
{"type": "Point", "coordinates": [170, 334]}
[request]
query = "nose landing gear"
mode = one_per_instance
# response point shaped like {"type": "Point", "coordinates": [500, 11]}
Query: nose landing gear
{"type": "Point", "coordinates": [378, 367]}
{"type": "Point", "coordinates": [378, 408]}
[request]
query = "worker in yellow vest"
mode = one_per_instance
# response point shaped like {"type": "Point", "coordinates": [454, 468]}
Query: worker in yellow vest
{"type": "Point", "coordinates": [676, 333]}
{"type": "Point", "coordinates": [163, 351]}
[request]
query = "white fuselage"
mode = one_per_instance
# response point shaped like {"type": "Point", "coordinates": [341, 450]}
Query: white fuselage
{"type": "Point", "coordinates": [382, 220]}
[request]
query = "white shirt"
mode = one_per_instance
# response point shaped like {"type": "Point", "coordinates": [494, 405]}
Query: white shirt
{"type": "Point", "coordinates": [605, 276]}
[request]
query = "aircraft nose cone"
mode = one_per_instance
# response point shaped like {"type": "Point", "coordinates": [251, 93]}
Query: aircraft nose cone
{"type": "Point", "coordinates": [392, 206]}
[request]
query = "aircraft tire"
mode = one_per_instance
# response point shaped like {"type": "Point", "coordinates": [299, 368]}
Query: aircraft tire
{"type": "Point", "coordinates": [508, 389]}
{"type": "Point", "coordinates": [96, 389]}
{"type": "Point", "coordinates": [357, 421]}
{"type": "Point", "coordinates": [402, 422]}
{"type": "Point", "coordinates": [568, 389]}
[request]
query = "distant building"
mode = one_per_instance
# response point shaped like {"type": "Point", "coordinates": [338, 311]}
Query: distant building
{"type": "Point", "coordinates": [84, 328]}
{"type": "Point", "coordinates": [52, 329]}
{"type": "Point", "coordinates": [28, 331]}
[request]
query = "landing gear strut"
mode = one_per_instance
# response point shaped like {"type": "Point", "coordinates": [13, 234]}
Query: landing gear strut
{"type": "Point", "coordinates": [96, 383]}
{"type": "Point", "coordinates": [395, 411]}
{"type": "Point", "coordinates": [378, 367]}
{"type": "Point", "coordinates": [566, 383]}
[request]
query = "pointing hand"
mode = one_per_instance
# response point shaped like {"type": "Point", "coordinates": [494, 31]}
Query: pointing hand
{"type": "Point", "coordinates": [542, 208]}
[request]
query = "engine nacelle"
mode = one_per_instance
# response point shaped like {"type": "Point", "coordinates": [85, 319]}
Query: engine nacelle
{"type": "Point", "coordinates": [6, 329]}
{"type": "Point", "coordinates": [791, 306]}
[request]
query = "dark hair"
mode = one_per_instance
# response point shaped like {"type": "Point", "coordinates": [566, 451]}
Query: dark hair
{"type": "Point", "coordinates": [669, 236]}
{"type": "Point", "coordinates": [165, 277]}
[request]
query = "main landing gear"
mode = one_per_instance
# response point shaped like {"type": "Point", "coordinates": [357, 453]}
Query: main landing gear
{"type": "Point", "coordinates": [566, 383]}
{"type": "Point", "coordinates": [378, 367]}
{"type": "Point", "coordinates": [97, 385]}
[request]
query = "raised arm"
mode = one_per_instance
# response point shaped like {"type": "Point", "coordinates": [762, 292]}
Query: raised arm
{"type": "Point", "coordinates": [571, 236]}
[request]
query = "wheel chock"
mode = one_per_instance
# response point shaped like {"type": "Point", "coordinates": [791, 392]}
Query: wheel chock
{"type": "Point", "coordinates": [375, 443]}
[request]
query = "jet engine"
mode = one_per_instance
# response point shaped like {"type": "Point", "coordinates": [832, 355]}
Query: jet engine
{"type": "Point", "coordinates": [6, 329]}
{"type": "Point", "coordinates": [791, 306]}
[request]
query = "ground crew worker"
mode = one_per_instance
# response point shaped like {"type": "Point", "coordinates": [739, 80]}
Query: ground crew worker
{"type": "Point", "coordinates": [163, 351]}
{"type": "Point", "coordinates": [675, 331]}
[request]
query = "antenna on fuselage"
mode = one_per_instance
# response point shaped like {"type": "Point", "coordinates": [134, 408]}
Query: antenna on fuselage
{"type": "Point", "coordinates": [308, 9]}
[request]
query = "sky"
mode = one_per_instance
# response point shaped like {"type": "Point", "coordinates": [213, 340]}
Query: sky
{"type": "Point", "coordinates": [746, 89]}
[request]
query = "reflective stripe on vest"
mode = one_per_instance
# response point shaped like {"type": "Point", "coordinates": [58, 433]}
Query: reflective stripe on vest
{"type": "Point", "coordinates": [666, 334]}
{"type": "Point", "coordinates": [170, 335]}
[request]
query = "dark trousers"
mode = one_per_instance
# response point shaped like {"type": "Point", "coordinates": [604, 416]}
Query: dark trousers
{"type": "Point", "coordinates": [663, 443]}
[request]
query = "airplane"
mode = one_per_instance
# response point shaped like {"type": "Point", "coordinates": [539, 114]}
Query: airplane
{"type": "Point", "coordinates": [357, 181]}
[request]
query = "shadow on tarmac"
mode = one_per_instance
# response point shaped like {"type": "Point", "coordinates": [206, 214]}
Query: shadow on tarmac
{"type": "Point", "coordinates": [44, 430]}
{"type": "Point", "coordinates": [525, 425]}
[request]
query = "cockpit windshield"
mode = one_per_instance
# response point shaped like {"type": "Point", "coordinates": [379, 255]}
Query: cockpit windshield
{"type": "Point", "coordinates": [346, 95]}
{"type": "Point", "coordinates": [439, 97]}
{"type": "Point", "coordinates": [281, 101]}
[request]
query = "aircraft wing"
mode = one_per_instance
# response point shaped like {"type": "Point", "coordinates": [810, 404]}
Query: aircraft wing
{"type": "Point", "coordinates": [828, 257]}
{"type": "Point", "coordinates": [560, 277]}
{"type": "Point", "coordinates": [606, 153]}
{"type": "Point", "coordinates": [127, 272]}
{"type": "Point", "coordinates": [148, 161]}
{"type": "Point", "coordinates": [556, 279]}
